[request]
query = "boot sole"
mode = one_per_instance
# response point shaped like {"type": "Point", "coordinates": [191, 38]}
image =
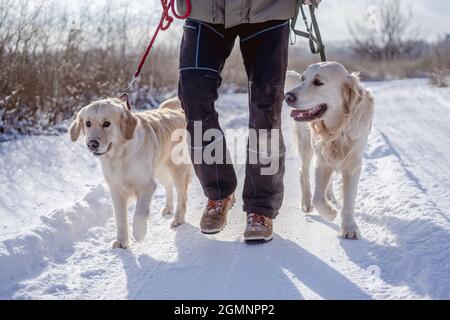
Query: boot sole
{"type": "Point", "coordinates": [213, 231]}
{"type": "Point", "coordinates": [217, 231]}
{"type": "Point", "coordinates": [258, 240]}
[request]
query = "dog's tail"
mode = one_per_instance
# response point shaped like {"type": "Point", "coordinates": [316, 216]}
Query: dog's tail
{"type": "Point", "coordinates": [171, 104]}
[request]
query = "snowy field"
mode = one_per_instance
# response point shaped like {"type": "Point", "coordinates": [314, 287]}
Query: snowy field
{"type": "Point", "coordinates": [57, 222]}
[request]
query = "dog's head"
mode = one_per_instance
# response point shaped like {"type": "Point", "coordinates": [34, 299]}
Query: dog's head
{"type": "Point", "coordinates": [105, 124]}
{"type": "Point", "coordinates": [325, 91]}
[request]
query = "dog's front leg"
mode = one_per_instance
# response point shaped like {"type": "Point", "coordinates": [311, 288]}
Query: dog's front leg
{"type": "Point", "coordinates": [350, 176]}
{"type": "Point", "coordinates": [323, 176]}
{"type": "Point", "coordinates": [143, 211]}
{"type": "Point", "coordinates": [330, 192]}
{"type": "Point", "coordinates": [306, 153]}
{"type": "Point", "coordinates": [120, 202]}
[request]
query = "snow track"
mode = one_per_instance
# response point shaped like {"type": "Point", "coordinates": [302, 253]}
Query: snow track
{"type": "Point", "coordinates": [402, 210]}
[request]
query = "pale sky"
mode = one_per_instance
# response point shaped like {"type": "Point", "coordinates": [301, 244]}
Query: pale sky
{"type": "Point", "coordinates": [432, 15]}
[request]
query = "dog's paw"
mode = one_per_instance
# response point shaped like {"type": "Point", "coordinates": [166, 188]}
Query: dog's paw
{"type": "Point", "coordinates": [307, 207]}
{"type": "Point", "coordinates": [329, 214]}
{"type": "Point", "coordinates": [139, 229]}
{"type": "Point", "coordinates": [325, 210]}
{"type": "Point", "coordinates": [120, 244]}
{"type": "Point", "coordinates": [176, 223]}
{"type": "Point", "coordinates": [166, 211]}
{"type": "Point", "coordinates": [351, 232]}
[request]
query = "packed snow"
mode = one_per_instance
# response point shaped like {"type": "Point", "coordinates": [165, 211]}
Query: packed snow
{"type": "Point", "coordinates": [57, 222]}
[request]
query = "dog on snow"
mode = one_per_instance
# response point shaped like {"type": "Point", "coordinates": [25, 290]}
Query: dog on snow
{"type": "Point", "coordinates": [333, 114]}
{"type": "Point", "coordinates": [135, 150]}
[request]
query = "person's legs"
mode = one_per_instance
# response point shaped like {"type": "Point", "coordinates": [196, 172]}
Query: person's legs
{"type": "Point", "coordinates": [204, 49]}
{"type": "Point", "coordinates": [265, 52]}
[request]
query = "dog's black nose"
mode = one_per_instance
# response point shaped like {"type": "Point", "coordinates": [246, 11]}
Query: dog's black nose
{"type": "Point", "coordinates": [290, 98]}
{"type": "Point", "coordinates": [93, 145]}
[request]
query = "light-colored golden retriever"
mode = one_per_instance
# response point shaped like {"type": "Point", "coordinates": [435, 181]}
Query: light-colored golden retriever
{"type": "Point", "coordinates": [135, 149]}
{"type": "Point", "coordinates": [333, 114]}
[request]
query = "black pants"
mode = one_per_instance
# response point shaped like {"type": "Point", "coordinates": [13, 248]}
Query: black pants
{"type": "Point", "coordinates": [204, 50]}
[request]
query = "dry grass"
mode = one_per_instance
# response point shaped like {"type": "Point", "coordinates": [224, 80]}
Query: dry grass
{"type": "Point", "coordinates": [50, 68]}
{"type": "Point", "coordinates": [437, 57]}
{"type": "Point", "coordinates": [440, 78]}
{"type": "Point", "coordinates": [434, 63]}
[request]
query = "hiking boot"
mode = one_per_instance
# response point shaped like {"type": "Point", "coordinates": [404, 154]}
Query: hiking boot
{"type": "Point", "coordinates": [214, 218]}
{"type": "Point", "coordinates": [259, 228]}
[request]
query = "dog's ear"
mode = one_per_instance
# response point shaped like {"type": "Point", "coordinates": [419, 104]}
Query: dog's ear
{"type": "Point", "coordinates": [76, 127]}
{"type": "Point", "coordinates": [353, 93]}
{"type": "Point", "coordinates": [125, 98]}
{"type": "Point", "coordinates": [359, 104]}
{"type": "Point", "coordinates": [128, 124]}
{"type": "Point", "coordinates": [293, 79]}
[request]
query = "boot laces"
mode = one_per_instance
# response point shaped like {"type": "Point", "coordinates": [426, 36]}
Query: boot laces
{"type": "Point", "coordinates": [257, 220]}
{"type": "Point", "coordinates": [215, 206]}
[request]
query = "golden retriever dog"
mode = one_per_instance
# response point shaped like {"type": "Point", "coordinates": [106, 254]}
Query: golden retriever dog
{"type": "Point", "coordinates": [333, 114]}
{"type": "Point", "coordinates": [134, 150]}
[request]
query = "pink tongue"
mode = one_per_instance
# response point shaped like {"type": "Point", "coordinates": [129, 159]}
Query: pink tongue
{"type": "Point", "coordinates": [297, 113]}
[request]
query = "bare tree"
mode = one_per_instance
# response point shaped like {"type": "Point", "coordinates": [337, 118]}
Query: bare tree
{"type": "Point", "coordinates": [389, 31]}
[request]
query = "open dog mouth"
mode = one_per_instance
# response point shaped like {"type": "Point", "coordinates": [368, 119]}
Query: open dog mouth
{"type": "Point", "coordinates": [310, 114]}
{"type": "Point", "coordinates": [98, 154]}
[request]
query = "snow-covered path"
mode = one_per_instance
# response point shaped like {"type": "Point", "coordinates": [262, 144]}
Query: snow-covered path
{"type": "Point", "coordinates": [403, 212]}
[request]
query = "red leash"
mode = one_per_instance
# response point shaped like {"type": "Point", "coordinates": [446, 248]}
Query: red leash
{"type": "Point", "coordinates": [164, 24]}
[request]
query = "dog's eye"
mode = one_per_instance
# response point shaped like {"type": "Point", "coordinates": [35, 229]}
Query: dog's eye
{"type": "Point", "coordinates": [318, 83]}
{"type": "Point", "coordinates": [88, 124]}
{"type": "Point", "coordinates": [106, 124]}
